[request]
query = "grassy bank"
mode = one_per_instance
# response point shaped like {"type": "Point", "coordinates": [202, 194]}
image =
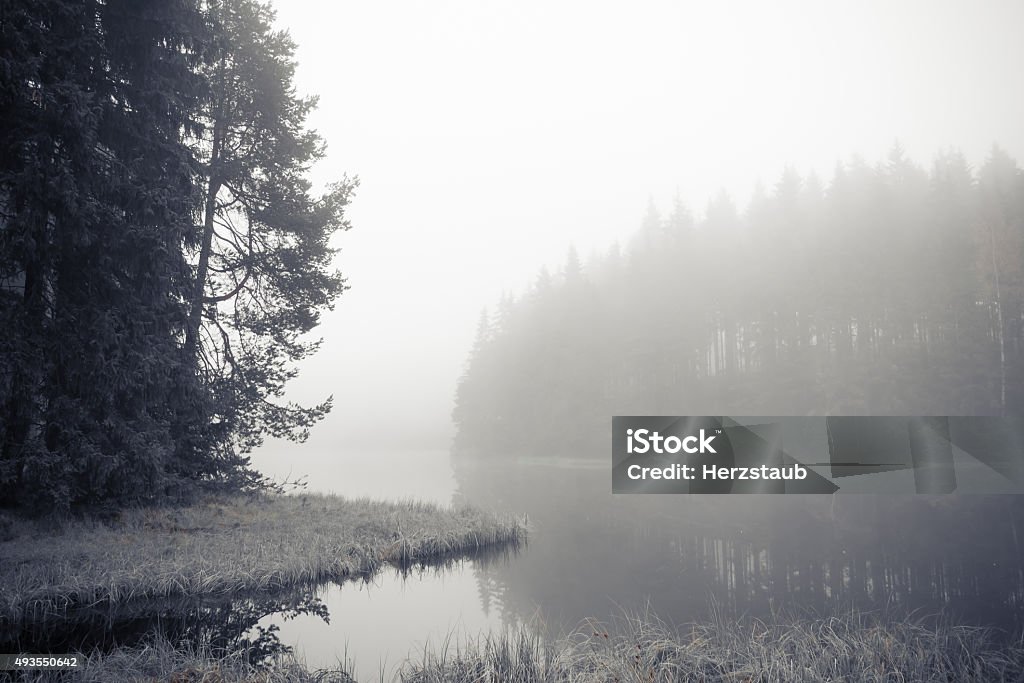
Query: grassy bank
{"type": "Point", "coordinates": [639, 649]}
{"type": "Point", "coordinates": [244, 544]}
{"type": "Point", "coordinates": [161, 660]}
{"type": "Point", "coordinates": [642, 649]}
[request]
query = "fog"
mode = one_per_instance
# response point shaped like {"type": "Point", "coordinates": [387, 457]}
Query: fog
{"type": "Point", "coordinates": [489, 137]}
{"type": "Point", "coordinates": [577, 225]}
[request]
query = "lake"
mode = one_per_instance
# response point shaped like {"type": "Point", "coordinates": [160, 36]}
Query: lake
{"type": "Point", "coordinates": [593, 555]}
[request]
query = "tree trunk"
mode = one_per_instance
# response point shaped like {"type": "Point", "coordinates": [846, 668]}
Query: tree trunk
{"type": "Point", "coordinates": [195, 317]}
{"type": "Point", "coordinates": [1000, 326]}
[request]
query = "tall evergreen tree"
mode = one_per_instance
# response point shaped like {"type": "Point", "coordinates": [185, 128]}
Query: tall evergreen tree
{"type": "Point", "coordinates": [263, 272]}
{"type": "Point", "coordinates": [1001, 227]}
{"type": "Point", "coordinates": [891, 291]}
{"type": "Point", "coordinates": [143, 349]}
{"type": "Point", "coordinates": [98, 196]}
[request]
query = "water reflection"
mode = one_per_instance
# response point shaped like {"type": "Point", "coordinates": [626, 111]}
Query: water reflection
{"type": "Point", "coordinates": [593, 554]}
{"type": "Point", "coordinates": [378, 624]}
{"type": "Point", "coordinates": [224, 625]}
{"type": "Point", "coordinates": [369, 624]}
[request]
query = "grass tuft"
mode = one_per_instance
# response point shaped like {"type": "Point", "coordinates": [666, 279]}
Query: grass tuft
{"type": "Point", "coordinates": [641, 648]}
{"type": "Point", "coordinates": [242, 545]}
{"type": "Point", "coordinates": [163, 660]}
{"type": "Point", "coordinates": [637, 648]}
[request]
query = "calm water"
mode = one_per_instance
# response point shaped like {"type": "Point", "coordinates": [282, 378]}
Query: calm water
{"type": "Point", "coordinates": [592, 554]}
{"type": "Point", "coordinates": [379, 624]}
{"type": "Point", "coordinates": [388, 475]}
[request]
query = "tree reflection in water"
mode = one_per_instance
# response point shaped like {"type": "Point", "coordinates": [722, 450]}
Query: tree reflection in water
{"type": "Point", "coordinates": [223, 625]}
{"type": "Point", "coordinates": [593, 554]}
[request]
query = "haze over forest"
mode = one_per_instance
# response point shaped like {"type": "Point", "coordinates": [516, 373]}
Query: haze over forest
{"type": "Point", "coordinates": [490, 138]}
{"type": "Point", "coordinates": [508, 223]}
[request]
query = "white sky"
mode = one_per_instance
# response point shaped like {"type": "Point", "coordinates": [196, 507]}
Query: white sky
{"type": "Point", "coordinates": [491, 135]}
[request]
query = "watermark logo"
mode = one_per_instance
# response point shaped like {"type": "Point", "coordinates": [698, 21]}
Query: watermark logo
{"type": "Point", "coordinates": [644, 440]}
{"type": "Point", "coordinates": [928, 455]}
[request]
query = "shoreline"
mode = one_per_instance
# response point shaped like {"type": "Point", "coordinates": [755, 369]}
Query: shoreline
{"type": "Point", "coordinates": [633, 647]}
{"type": "Point", "coordinates": [223, 546]}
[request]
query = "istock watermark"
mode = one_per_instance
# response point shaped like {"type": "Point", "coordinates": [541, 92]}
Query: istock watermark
{"type": "Point", "coordinates": [646, 440]}
{"type": "Point", "coordinates": [707, 454]}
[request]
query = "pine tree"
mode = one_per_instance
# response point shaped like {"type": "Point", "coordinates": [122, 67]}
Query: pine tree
{"type": "Point", "coordinates": [263, 269]}
{"type": "Point", "coordinates": [97, 187]}
{"type": "Point", "coordinates": [1001, 186]}
{"type": "Point", "coordinates": [890, 291]}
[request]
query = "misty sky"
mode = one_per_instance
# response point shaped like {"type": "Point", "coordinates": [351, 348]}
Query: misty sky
{"type": "Point", "coordinates": [491, 135]}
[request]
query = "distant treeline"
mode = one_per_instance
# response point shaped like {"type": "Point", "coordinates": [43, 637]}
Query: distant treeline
{"type": "Point", "coordinates": [161, 252]}
{"type": "Point", "coordinates": [891, 291]}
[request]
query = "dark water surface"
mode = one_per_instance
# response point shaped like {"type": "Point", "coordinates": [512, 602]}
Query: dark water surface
{"type": "Point", "coordinates": [592, 554]}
